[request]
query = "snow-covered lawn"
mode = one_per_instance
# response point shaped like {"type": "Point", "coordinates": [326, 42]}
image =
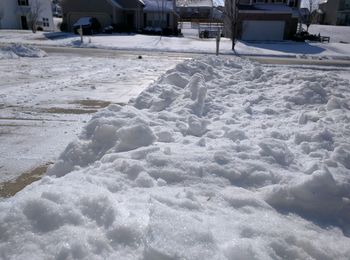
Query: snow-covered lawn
{"type": "Point", "coordinates": [44, 101]}
{"type": "Point", "coordinates": [336, 33]}
{"type": "Point", "coordinates": [221, 158]}
{"type": "Point", "coordinates": [189, 43]}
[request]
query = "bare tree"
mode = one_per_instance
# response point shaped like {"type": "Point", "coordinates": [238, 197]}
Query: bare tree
{"type": "Point", "coordinates": [33, 16]}
{"type": "Point", "coordinates": [231, 16]}
{"type": "Point", "coordinates": [312, 5]}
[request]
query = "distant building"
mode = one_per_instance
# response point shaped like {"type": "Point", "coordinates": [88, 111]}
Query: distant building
{"type": "Point", "coordinates": [160, 14]}
{"type": "Point", "coordinates": [56, 10]}
{"type": "Point", "coordinates": [195, 9]}
{"type": "Point", "coordinates": [16, 14]}
{"type": "Point", "coordinates": [262, 20]}
{"type": "Point", "coordinates": [334, 12]}
{"type": "Point", "coordinates": [126, 14]}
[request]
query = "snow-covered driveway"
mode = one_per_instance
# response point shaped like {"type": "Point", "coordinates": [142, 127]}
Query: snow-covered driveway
{"type": "Point", "coordinates": [45, 101]}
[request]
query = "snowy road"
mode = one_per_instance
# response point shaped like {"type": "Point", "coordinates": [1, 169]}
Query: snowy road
{"type": "Point", "coordinates": [291, 59]}
{"type": "Point", "coordinates": [45, 101]}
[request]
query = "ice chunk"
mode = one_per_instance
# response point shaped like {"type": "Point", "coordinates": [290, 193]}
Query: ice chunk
{"type": "Point", "coordinates": [278, 150]}
{"type": "Point", "coordinates": [341, 154]}
{"type": "Point", "coordinates": [235, 135]}
{"type": "Point", "coordinates": [309, 93]}
{"type": "Point", "coordinates": [196, 126]}
{"type": "Point", "coordinates": [133, 137]}
{"type": "Point", "coordinates": [144, 180]}
{"type": "Point", "coordinates": [317, 195]}
{"type": "Point", "coordinates": [176, 79]}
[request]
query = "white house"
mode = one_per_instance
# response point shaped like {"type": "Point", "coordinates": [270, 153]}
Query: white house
{"type": "Point", "coordinates": [18, 14]}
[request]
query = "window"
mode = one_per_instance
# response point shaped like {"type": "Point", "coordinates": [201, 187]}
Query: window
{"type": "Point", "coordinates": [46, 22]}
{"type": "Point", "coordinates": [23, 3]}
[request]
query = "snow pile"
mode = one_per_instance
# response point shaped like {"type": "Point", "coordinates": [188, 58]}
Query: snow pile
{"type": "Point", "coordinates": [18, 50]}
{"type": "Point", "coordinates": [221, 158]}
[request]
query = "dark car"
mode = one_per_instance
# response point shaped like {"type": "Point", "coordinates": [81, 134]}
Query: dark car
{"type": "Point", "coordinates": [90, 25]}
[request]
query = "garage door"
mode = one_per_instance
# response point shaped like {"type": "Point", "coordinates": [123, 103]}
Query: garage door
{"type": "Point", "coordinates": [263, 30]}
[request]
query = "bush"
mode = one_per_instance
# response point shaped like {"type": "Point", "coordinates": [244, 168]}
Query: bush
{"type": "Point", "coordinates": [63, 27]}
{"type": "Point", "coordinates": [304, 35]}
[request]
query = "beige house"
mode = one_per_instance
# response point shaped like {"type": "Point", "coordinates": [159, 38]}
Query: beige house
{"type": "Point", "coordinates": [262, 20]}
{"type": "Point", "coordinates": [127, 14]}
{"type": "Point", "coordinates": [334, 12]}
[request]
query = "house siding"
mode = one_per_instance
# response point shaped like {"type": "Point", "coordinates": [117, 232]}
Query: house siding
{"type": "Point", "coordinates": [330, 12]}
{"type": "Point", "coordinates": [336, 12]}
{"type": "Point", "coordinates": [291, 23]}
{"type": "Point", "coordinates": [104, 11]}
{"type": "Point", "coordinates": [75, 9]}
{"type": "Point", "coordinates": [11, 14]}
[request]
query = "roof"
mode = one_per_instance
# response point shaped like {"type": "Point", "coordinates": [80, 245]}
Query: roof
{"type": "Point", "coordinates": [323, 2]}
{"type": "Point", "coordinates": [119, 5]}
{"type": "Point", "coordinates": [266, 8]}
{"type": "Point", "coordinates": [83, 21]}
{"type": "Point", "coordinates": [219, 2]}
{"type": "Point", "coordinates": [194, 3]}
{"type": "Point", "coordinates": [159, 5]}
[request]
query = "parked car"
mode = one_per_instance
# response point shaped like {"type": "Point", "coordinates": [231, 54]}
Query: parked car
{"type": "Point", "coordinates": [90, 25]}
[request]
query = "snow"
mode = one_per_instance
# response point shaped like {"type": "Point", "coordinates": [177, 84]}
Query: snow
{"type": "Point", "coordinates": [194, 3]}
{"type": "Point", "coordinates": [18, 50]}
{"type": "Point", "coordinates": [219, 2]}
{"type": "Point", "coordinates": [83, 21]}
{"type": "Point", "coordinates": [188, 44]}
{"type": "Point", "coordinates": [45, 101]}
{"type": "Point", "coordinates": [268, 8]}
{"type": "Point", "coordinates": [221, 158]}
{"type": "Point", "coordinates": [336, 33]}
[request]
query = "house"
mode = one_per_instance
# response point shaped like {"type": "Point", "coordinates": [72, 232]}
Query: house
{"type": "Point", "coordinates": [127, 15]}
{"type": "Point", "coordinates": [262, 20]}
{"type": "Point", "coordinates": [335, 12]}
{"type": "Point", "coordinates": [190, 10]}
{"type": "Point", "coordinates": [56, 9]}
{"type": "Point", "coordinates": [21, 14]}
{"type": "Point", "coordinates": [160, 15]}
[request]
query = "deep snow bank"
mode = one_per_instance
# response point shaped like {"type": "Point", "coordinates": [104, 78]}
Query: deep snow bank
{"type": "Point", "coordinates": [219, 159]}
{"type": "Point", "coordinates": [19, 50]}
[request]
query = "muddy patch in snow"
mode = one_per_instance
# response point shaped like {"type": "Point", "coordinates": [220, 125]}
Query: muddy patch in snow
{"type": "Point", "coordinates": [10, 188]}
{"type": "Point", "coordinates": [76, 111]}
{"type": "Point", "coordinates": [91, 103]}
